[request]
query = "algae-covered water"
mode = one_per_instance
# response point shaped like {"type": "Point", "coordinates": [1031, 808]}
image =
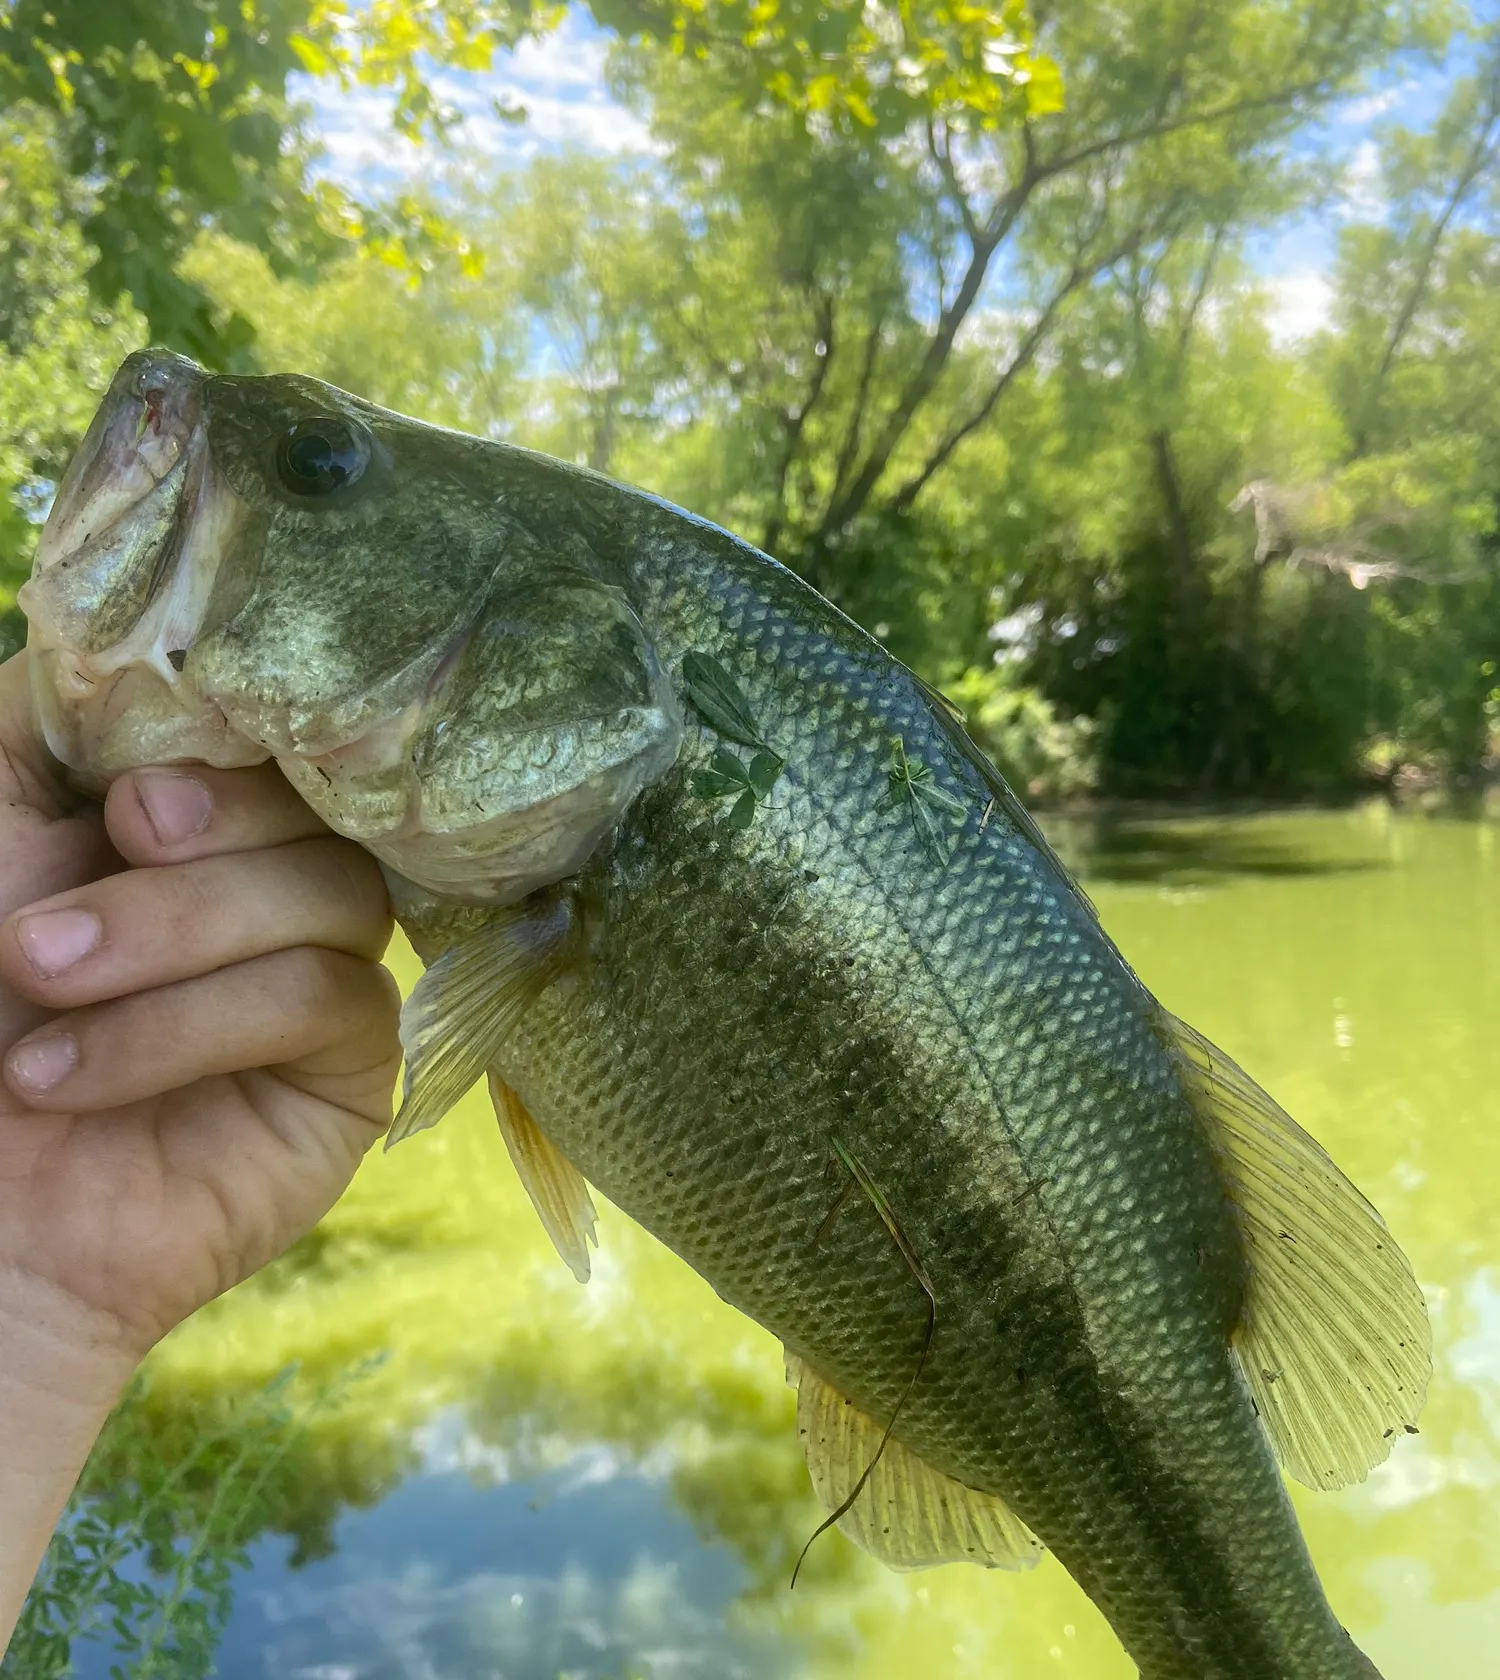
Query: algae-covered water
{"type": "Point", "coordinates": [543, 1480]}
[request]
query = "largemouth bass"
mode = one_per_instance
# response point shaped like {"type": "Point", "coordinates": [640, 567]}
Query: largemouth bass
{"type": "Point", "coordinates": [744, 932]}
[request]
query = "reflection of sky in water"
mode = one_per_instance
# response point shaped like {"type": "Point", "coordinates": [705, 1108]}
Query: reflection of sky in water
{"type": "Point", "coordinates": [586, 1572]}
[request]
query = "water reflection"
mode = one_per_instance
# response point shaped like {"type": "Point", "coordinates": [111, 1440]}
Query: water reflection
{"type": "Point", "coordinates": [622, 1458]}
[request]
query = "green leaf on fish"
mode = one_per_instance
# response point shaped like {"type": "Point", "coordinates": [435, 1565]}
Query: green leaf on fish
{"type": "Point", "coordinates": [911, 785]}
{"type": "Point", "coordinates": [765, 767]}
{"type": "Point", "coordinates": [719, 700]}
{"type": "Point", "coordinates": [727, 774]}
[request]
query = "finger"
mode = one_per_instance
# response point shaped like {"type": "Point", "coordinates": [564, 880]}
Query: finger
{"type": "Point", "coordinates": [145, 928]}
{"type": "Point", "coordinates": [169, 814]}
{"type": "Point", "coordinates": [324, 1019]}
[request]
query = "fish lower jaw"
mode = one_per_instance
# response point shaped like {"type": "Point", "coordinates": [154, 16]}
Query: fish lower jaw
{"type": "Point", "coordinates": [100, 720]}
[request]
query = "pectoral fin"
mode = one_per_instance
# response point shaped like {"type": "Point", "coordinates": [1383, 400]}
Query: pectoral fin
{"type": "Point", "coordinates": [908, 1515]}
{"type": "Point", "coordinates": [558, 1191]}
{"type": "Point", "coordinates": [1333, 1337]}
{"type": "Point", "coordinates": [460, 1011]}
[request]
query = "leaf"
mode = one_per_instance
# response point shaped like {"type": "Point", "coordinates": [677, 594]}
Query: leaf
{"type": "Point", "coordinates": [911, 784]}
{"type": "Point", "coordinates": [710, 784]}
{"type": "Point", "coordinates": [928, 792]}
{"type": "Point", "coordinates": [717, 697]}
{"type": "Point", "coordinates": [1043, 83]}
{"type": "Point", "coordinates": [937, 845]}
{"type": "Point", "coordinates": [726, 774]}
{"type": "Point", "coordinates": [743, 812]}
{"type": "Point", "coordinates": [765, 768]}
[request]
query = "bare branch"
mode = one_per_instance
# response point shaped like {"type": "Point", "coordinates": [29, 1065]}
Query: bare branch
{"type": "Point", "coordinates": [849, 449]}
{"type": "Point", "coordinates": [1481, 155]}
{"type": "Point", "coordinates": [1200, 291]}
{"type": "Point", "coordinates": [794, 420]}
{"type": "Point", "coordinates": [847, 502]}
{"type": "Point", "coordinates": [1160, 127]}
{"type": "Point", "coordinates": [1081, 273]}
{"type": "Point", "coordinates": [941, 153]}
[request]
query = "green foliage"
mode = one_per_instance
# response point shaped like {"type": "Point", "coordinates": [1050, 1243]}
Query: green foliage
{"type": "Point", "coordinates": [147, 1550]}
{"type": "Point", "coordinates": [931, 809]}
{"type": "Point", "coordinates": [449, 352]}
{"type": "Point", "coordinates": [174, 114]}
{"type": "Point", "coordinates": [865, 68]}
{"type": "Point", "coordinates": [951, 349]}
{"type": "Point", "coordinates": [1045, 756]}
{"type": "Point", "coordinates": [58, 347]}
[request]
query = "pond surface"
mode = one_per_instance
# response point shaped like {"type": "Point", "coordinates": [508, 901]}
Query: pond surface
{"type": "Point", "coordinates": [544, 1480]}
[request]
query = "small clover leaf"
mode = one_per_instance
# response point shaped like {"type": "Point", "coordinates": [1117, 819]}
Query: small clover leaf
{"type": "Point", "coordinates": [727, 774]}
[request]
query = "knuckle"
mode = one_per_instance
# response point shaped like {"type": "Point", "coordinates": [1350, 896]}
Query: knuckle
{"type": "Point", "coordinates": [331, 995]}
{"type": "Point", "coordinates": [352, 879]}
{"type": "Point", "coordinates": [308, 980]}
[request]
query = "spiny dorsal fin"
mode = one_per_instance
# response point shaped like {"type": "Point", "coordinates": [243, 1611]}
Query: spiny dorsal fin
{"type": "Point", "coordinates": [1333, 1338]}
{"type": "Point", "coordinates": [952, 721]}
{"type": "Point", "coordinates": [459, 1012]}
{"type": "Point", "coordinates": [558, 1191]}
{"type": "Point", "coordinates": [908, 1515]}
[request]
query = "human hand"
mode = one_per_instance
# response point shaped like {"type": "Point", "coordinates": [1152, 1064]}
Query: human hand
{"type": "Point", "coordinates": [211, 1044]}
{"type": "Point", "coordinates": [183, 1098]}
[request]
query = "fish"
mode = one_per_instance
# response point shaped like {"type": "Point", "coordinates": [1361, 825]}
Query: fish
{"type": "Point", "coordinates": [746, 935]}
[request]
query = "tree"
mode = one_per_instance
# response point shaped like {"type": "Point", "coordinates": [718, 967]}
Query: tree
{"type": "Point", "coordinates": [1177, 117]}
{"type": "Point", "coordinates": [173, 114]}
{"type": "Point", "coordinates": [58, 347]}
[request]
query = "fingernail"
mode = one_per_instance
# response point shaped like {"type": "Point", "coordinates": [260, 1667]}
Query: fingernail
{"type": "Point", "coordinates": [177, 807]}
{"type": "Point", "coordinates": [54, 940]}
{"type": "Point", "coordinates": [37, 1064]}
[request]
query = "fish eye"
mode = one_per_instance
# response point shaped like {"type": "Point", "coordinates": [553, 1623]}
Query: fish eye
{"type": "Point", "coordinates": [317, 457]}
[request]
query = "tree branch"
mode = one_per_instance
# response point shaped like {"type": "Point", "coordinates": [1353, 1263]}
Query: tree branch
{"type": "Point", "coordinates": [849, 449]}
{"type": "Point", "coordinates": [844, 505]}
{"type": "Point", "coordinates": [1157, 128]}
{"type": "Point", "coordinates": [1481, 153]}
{"type": "Point", "coordinates": [1200, 291]}
{"type": "Point", "coordinates": [942, 156]}
{"type": "Point", "coordinates": [1081, 273]}
{"type": "Point", "coordinates": [794, 420]}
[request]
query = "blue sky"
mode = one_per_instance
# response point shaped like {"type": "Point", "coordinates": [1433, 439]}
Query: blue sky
{"type": "Point", "coordinates": [560, 83]}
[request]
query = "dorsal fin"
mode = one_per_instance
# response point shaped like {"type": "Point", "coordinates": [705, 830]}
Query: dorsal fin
{"type": "Point", "coordinates": [908, 1515]}
{"type": "Point", "coordinates": [951, 720]}
{"type": "Point", "coordinates": [558, 1191]}
{"type": "Point", "coordinates": [1333, 1338]}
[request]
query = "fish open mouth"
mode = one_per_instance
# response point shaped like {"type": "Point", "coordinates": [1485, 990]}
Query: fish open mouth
{"type": "Point", "coordinates": [122, 580]}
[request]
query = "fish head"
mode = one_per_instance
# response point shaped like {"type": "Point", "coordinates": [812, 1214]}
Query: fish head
{"type": "Point", "coordinates": [243, 568]}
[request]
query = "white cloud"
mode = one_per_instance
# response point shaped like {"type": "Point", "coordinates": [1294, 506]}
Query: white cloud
{"type": "Point", "coordinates": [1364, 182]}
{"type": "Point", "coordinates": [1371, 106]}
{"type": "Point", "coordinates": [559, 80]}
{"type": "Point", "coordinates": [1299, 304]}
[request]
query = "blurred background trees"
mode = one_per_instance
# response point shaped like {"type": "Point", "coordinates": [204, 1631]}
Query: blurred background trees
{"type": "Point", "coordinates": [955, 310]}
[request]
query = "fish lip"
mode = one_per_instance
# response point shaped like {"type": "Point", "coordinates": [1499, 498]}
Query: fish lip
{"type": "Point", "coordinates": [124, 574]}
{"type": "Point", "coordinates": [143, 435]}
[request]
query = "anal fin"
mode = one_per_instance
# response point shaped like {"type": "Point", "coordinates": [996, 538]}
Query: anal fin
{"type": "Point", "coordinates": [908, 1514]}
{"type": "Point", "coordinates": [558, 1191]}
{"type": "Point", "coordinates": [1333, 1336]}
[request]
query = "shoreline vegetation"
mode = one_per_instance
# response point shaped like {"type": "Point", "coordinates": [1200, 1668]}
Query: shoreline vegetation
{"type": "Point", "coordinates": [965, 324]}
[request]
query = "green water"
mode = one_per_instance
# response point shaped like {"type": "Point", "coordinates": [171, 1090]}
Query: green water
{"type": "Point", "coordinates": [599, 1482]}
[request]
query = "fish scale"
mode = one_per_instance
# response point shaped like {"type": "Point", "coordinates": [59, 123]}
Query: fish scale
{"type": "Point", "coordinates": [832, 1022]}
